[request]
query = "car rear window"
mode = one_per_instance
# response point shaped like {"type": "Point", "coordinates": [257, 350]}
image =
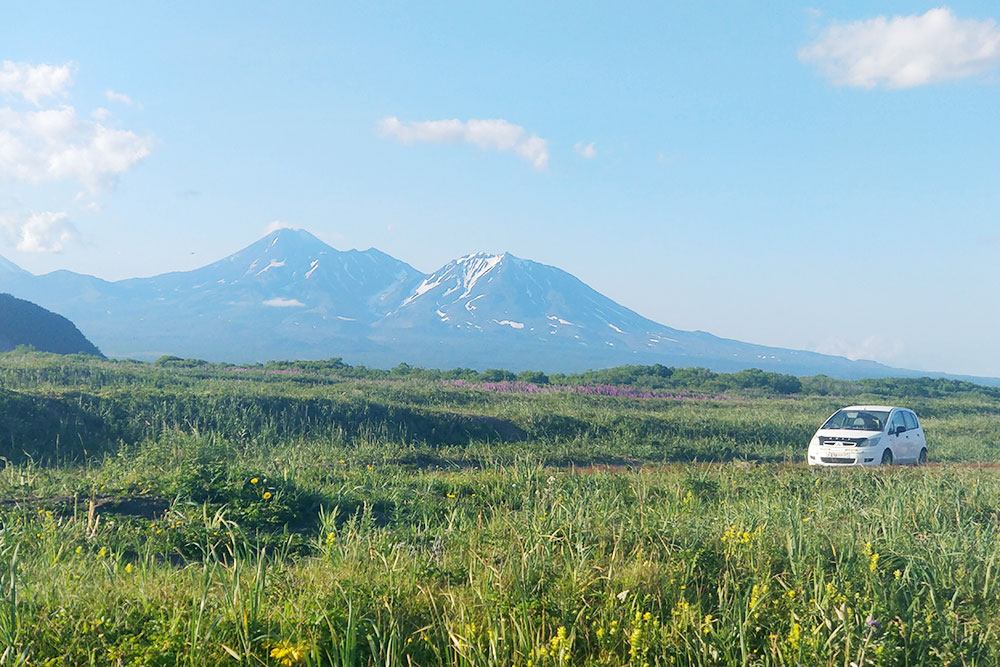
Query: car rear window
{"type": "Point", "coordinates": [911, 420]}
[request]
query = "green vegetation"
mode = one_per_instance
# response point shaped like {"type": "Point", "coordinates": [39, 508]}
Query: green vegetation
{"type": "Point", "coordinates": [316, 513]}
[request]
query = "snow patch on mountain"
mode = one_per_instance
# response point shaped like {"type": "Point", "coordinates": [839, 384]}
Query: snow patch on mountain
{"type": "Point", "coordinates": [461, 276]}
{"type": "Point", "coordinates": [470, 304]}
{"type": "Point", "coordinates": [508, 323]}
{"type": "Point", "coordinates": [475, 267]}
{"type": "Point", "coordinates": [423, 288]}
{"type": "Point", "coordinates": [281, 302]}
{"type": "Point", "coordinates": [275, 264]}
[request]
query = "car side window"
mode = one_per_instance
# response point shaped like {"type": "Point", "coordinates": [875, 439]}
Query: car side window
{"type": "Point", "coordinates": [897, 421]}
{"type": "Point", "coordinates": [911, 421]}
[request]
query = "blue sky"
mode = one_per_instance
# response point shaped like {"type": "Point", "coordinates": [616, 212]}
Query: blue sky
{"type": "Point", "coordinates": [811, 176]}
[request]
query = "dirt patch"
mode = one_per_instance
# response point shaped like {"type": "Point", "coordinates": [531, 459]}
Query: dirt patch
{"type": "Point", "coordinates": [141, 507]}
{"type": "Point", "coordinates": [506, 430]}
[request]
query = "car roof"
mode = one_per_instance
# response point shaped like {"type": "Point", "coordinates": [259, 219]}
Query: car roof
{"type": "Point", "coordinates": [886, 408]}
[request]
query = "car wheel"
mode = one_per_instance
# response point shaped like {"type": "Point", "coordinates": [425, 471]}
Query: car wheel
{"type": "Point", "coordinates": [922, 458]}
{"type": "Point", "coordinates": [887, 457]}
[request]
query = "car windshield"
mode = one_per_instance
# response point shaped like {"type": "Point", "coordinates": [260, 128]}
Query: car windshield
{"type": "Point", "coordinates": [858, 420]}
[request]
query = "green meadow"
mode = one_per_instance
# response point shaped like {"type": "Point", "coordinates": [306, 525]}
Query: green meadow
{"type": "Point", "coordinates": [182, 513]}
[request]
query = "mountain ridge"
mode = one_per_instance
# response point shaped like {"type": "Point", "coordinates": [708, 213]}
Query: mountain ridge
{"type": "Point", "coordinates": [290, 295]}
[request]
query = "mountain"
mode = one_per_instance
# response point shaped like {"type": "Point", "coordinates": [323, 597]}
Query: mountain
{"type": "Point", "coordinates": [290, 295]}
{"type": "Point", "coordinates": [24, 323]}
{"type": "Point", "coordinates": [289, 269]}
{"type": "Point", "coordinates": [287, 295]}
{"type": "Point", "coordinates": [520, 310]}
{"type": "Point", "coordinates": [8, 267]}
{"type": "Point", "coordinates": [509, 312]}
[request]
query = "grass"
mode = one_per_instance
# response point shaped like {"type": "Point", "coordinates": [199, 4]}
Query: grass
{"type": "Point", "coordinates": [359, 522]}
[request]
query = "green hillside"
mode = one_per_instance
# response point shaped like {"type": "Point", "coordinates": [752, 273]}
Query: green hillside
{"type": "Point", "coordinates": [24, 323]}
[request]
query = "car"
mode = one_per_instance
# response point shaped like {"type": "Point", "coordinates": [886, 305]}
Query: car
{"type": "Point", "coordinates": [869, 435]}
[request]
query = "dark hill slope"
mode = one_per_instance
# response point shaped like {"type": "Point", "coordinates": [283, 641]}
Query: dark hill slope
{"type": "Point", "coordinates": [24, 323]}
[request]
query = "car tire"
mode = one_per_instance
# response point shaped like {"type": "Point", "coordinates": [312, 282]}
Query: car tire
{"type": "Point", "coordinates": [886, 457]}
{"type": "Point", "coordinates": [922, 457]}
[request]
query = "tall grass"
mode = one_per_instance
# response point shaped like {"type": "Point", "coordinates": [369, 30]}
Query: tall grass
{"type": "Point", "coordinates": [704, 565]}
{"type": "Point", "coordinates": [250, 527]}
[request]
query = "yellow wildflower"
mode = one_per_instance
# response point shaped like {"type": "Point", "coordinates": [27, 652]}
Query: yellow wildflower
{"type": "Point", "coordinates": [795, 635]}
{"type": "Point", "coordinates": [287, 654]}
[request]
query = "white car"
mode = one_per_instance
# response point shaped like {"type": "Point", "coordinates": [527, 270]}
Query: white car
{"type": "Point", "coordinates": [869, 435]}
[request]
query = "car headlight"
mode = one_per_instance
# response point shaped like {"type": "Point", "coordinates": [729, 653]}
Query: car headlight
{"type": "Point", "coordinates": [870, 442]}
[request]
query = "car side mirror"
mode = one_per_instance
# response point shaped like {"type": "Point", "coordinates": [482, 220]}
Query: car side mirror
{"type": "Point", "coordinates": [900, 429]}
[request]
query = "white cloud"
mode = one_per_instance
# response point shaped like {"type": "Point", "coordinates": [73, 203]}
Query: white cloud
{"type": "Point", "coordinates": [275, 225]}
{"type": "Point", "coordinates": [56, 145]}
{"type": "Point", "coordinates": [49, 143]}
{"type": "Point", "coordinates": [33, 82]}
{"type": "Point", "coordinates": [585, 150]}
{"type": "Point", "coordinates": [488, 134]}
{"type": "Point", "coordinates": [46, 232]}
{"type": "Point", "coordinates": [877, 348]}
{"type": "Point", "coordinates": [281, 302]}
{"type": "Point", "coordinates": [118, 97]}
{"type": "Point", "coordinates": [905, 51]}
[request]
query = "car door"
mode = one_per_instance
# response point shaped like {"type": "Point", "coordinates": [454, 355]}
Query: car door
{"type": "Point", "coordinates": [917, 439]}
{"type": "Point", "coordinates": [897, 437]}
{"type": "Point", "coordinates": [908, 440]}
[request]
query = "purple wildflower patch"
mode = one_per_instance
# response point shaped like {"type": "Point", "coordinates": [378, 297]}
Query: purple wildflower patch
{"type": "Point", "coordinates": [620, 391]}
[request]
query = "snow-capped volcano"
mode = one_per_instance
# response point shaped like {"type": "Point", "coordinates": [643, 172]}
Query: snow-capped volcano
{"type": "Point", "coordinates": [292, 269]}
{"type": "Point", "coordinates": [507, 295]}
{"type": "Point", "coordinates": [292, 296]}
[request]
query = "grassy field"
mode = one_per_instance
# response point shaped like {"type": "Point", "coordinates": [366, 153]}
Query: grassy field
{"type": "Point", "coordinates": [202, 515]}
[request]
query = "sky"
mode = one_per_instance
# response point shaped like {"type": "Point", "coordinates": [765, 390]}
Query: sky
{"type": "Point", "coordinates": [811, 176]}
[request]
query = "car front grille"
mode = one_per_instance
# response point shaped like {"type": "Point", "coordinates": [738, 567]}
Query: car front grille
{"type": "Point", "coordinates": [841, 442]}
{"type": "Point", "coordinates": [835, 459]}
